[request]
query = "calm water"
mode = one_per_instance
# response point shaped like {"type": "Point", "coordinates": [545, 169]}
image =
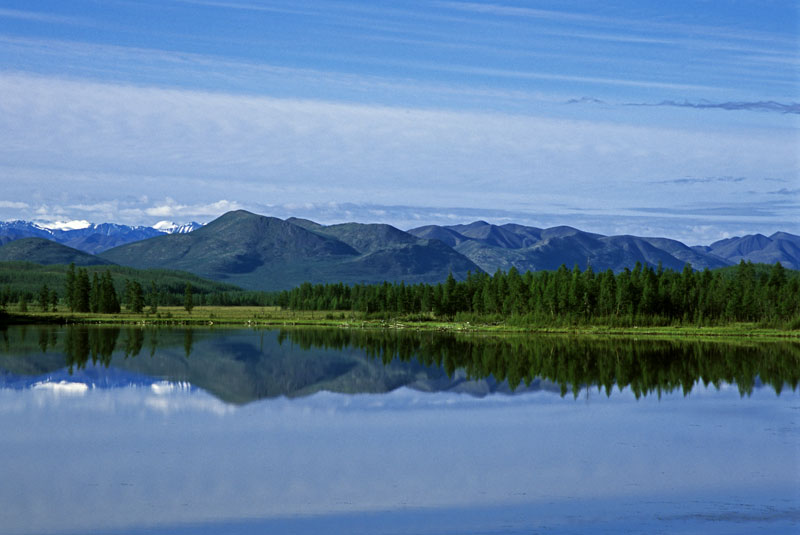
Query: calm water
{"type": "Point", "coordinates": [109, 430]}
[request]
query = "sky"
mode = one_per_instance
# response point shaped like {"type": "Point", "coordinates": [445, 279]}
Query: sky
{"type": "Point", "coordinates": [677, 119]}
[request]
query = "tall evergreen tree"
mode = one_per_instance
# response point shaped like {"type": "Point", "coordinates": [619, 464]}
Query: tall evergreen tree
{"type": "Point", "coordinates": [69, 287]}
{"type": "Point", "coordinates": [94, 295]}
{"type": "Point", "coordinates": [108, 302]}
{"type": "Point", "coordinates": [154, 297]}
{"type": "Point", "coordinates": [81, 292]}
{"type": "Point", "coordinates": [135, 297]}
{"type": "Point", "coordinates": [44, 297]}
{"type": "Point", "coordinates": [188, 300]}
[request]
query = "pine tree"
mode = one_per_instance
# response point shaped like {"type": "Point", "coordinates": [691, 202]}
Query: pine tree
{"type": "Point", "coordinates": [69, 287]}
{"type": "Point", "coordinates": [154, 297]}
{"type": "Point", "coordinates": [108, 302]}
{"type": "Point", "coordinates": [135, 297]}
{"type": "Point", "coordinates": [94, 294]}
{"type": "Point", "coordinates": [188, 301]}
{"type": "Point", "coordinates": [44, 297]}
{"type": "Point", "coordinates": [54, 301]}
{"type": "Point", "coordinates": [81, 291]}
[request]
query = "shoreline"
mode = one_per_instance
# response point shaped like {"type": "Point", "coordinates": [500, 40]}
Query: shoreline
{"type": "Point", "coordinates": [245, 317]}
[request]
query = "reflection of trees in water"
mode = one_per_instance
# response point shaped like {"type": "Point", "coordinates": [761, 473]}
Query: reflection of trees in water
{"type": "Point", "coordinates": [82, 342]}
{"type": "Point", "coordinates": [644, 366]}
{"type": "Point", "coordinates": [134, 340]}
{"type": "Point", "coordinates": [188, 340]}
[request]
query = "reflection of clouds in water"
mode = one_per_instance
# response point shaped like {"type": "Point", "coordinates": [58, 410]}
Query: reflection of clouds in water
{"type": "Point", "coordinates": [64, 388]}
{"type": "Point", "coordinates": [122, 450]}
{"type": "Point", "coordinates": [174, 397]}
{"type": "Point", "coordinates": [163, 397]}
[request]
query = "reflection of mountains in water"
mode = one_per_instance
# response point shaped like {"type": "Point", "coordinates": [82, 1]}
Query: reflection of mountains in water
{"type": "Point", "coordinates": [244, 365]}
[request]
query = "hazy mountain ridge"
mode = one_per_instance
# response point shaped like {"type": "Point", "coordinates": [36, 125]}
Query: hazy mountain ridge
{"type": "Point", "coordinates": [495, 247]}
{"type": "Point", "coordinates": [88, 237]}
{"type": "Point", "coordinates": [46, 252]}
{"type": "Point", "coordinates": [267, 253]}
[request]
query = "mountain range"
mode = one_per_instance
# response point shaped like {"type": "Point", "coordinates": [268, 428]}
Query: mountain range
{"type": "Point", "coordinates": [267, 253]}
{"type": "Point", "coordinates": [88, 237]}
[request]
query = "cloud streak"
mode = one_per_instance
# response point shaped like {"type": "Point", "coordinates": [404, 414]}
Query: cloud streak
{"type": "Point", "coordinates": [764, 106]}
{"type": "Point", "coordinates": [706, 180]}
{"type": "Point", "coordinates": [35, 16]}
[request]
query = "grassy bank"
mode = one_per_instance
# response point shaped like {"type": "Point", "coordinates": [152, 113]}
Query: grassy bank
{"type": "Point", "coordinates": [278, 317]}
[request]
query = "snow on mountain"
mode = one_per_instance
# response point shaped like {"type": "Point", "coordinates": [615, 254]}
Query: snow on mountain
{"type": "Point", "coordinates": [76, 224]}
{"type": "Point", "coordinates": [85, 236]}
{"type": "Point", "coordinates": [168, 227]}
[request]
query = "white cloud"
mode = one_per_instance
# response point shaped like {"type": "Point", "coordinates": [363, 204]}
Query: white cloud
{"type": "Point", "coordinates": [14, 204]}
{"type": "Point", "coordinates": [171, 208]}
{"type": "Point", "coordinates": [92, 140]}
{"type": "Point", "coordinates": [37, 16]}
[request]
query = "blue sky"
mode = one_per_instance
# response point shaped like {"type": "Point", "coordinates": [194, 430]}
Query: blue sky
{"type": "Point", "coordinates": [651, 118]}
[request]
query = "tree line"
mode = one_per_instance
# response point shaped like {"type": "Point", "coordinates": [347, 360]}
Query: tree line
{"type": "Point", "coordinates": [101, 297]}
{"type": "Point", "coordinates": [644, 295]}
{"type": "Point", "coordinates": [22, 283]}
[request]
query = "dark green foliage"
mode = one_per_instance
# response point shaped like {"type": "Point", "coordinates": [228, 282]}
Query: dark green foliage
{"type": "Point", "coordinates": [44, 298]}
{"type": "Point", "coordinates": [94, 294]}
{"type": "Point", "coordinates": [46, 252]}
{"type": "Point", "coordinates": [643, 296]}
{"type": "Point", "coordinates": [107, 299]}
{"type": "Point", "coordinates": [69, 287]}
{"type": "Point", "coordinates": [188, 298]}
{"type": "Point", "coordinates": [166, 287]}
{"type": "Point", "coordinates": [153, 297]}
{"type": "Point", "coordinates": [81, 297]}
{"type": "Point", "coordinates": [135, 296]}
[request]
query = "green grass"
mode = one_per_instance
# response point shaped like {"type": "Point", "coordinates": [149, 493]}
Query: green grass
{"type": "Point", "coordinates": [275, 316]}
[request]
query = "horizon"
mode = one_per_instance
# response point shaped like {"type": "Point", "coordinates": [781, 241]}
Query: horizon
{"type": "Point", "coordinates": [82, 224]}
{"type": "Point", "coordinates": [678, 120]}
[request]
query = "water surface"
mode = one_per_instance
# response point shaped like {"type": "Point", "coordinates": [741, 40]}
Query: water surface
{"type": "Point", "coordinates": [308, 431]}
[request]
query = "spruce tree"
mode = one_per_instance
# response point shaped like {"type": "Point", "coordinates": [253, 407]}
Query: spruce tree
{"type": "Point", "coordinates": [81, 291]}
{"type": "Point", "coordinates": [108, 302]}
{"type": "Point", "coordinates": [135, 298]}
{"type": "Point", "coordinates": [95, 296]}
{"type": "Point", "coordinates": [188, 301]}
{"type": "Point", "coordinates": [69, 287]}
{"type": "Point", "coordinates": [44, 297]}
{"type": "Point", "coordinates": [154, 297]}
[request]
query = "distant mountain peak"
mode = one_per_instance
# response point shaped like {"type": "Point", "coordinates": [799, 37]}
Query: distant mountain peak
{"type": "Point", "coordinates": [170, 227]}
{"type": "Point", "coordinates": [75, 224]}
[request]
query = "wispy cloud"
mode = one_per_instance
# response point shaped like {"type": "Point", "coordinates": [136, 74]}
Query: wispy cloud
{"type": "Point", "coordinates": [640, 25]}
{"type": "Point", "coordinates": [170, 208]}
{"type": "Point", "coordinates": [36, 16]}
{"type": "Point", "coordinates": [243, 6]}
{"type": "Point", "coordinates": [768, 106]}
{"type": "Point", "coordinates": [705, 180]}
{"type": "Point", "coordinates": [786, 191]}
{"type": "Point", "coordinates": [586, 100]}
{"type": "Point", "coordinates": [738, 210]}
{"type": "Point", "coordinates": [16, 205]}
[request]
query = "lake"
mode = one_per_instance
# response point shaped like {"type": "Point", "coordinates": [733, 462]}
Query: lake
{"type": "Point", "coordinates": [146, 430]}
